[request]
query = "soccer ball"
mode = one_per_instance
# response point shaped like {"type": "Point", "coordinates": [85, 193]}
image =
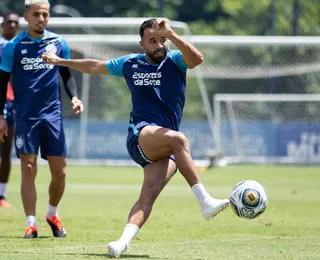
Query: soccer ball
{"type": "Point", "coordinates": [248, 199]}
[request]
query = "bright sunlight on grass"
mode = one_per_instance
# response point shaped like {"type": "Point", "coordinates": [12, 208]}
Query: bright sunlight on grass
{"type": "Point", "coordinates": [97, 200]}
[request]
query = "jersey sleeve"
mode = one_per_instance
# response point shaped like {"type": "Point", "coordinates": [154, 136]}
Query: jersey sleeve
{"type": "Point", "coordinates": [7, 59]}
{"type": "Point", "coordinates": [176, 57]}
{"type": "Point", "coordinates": [115, 66]}
{"type": "Point", "coordinates": [65, 49]}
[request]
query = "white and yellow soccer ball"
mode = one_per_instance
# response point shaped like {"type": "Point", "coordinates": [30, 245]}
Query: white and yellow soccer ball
{"type": "Point", "coordinates": [248, 199]}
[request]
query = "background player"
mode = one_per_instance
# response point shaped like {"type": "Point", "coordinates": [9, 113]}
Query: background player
{"type": "Point", "coordinates": [10, 26]}
{"type": "Point", "coordinates": [38, 110]}
{"type": "Point", "coordinates": [157, 81]}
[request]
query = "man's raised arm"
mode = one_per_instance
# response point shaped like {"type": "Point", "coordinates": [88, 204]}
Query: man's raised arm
{"type": "Point", "coordinates": [89, 66]}
{"type": "Point", "coordinates": [190, 54]}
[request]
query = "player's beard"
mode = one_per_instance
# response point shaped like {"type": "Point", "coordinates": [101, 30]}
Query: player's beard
{"type": "Point", "coordinates": [39, 31]}
{"type": "Point", "coordinates": [158, 59]}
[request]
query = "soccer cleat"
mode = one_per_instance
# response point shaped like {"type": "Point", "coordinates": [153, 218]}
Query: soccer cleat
{"type": "Point", "coordinates": [31, 232]}
{"type": "Point", "coordinates": [4, 203]}
{"type": "Point", "coordinates": [117, 248]}
{"type": "Point", "coordinates": [56, 226]}
{"type": "Point", "coordinates": [213, 207]}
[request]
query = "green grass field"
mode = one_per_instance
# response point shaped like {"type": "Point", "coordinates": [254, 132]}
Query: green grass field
{"type": "Point", "coordinates": [97, 200]}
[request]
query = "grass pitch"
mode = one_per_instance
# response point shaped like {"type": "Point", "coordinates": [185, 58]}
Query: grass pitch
{"type": "Point", "coordinates": [97, 201]}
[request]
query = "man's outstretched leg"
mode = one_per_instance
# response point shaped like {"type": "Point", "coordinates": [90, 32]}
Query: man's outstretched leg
{"type": "Point", "coordinates": [156, 176]}
{"type": "Point", "coordinates": [58, 166]}
{"type": "Point", "coordinates": [170, 142]}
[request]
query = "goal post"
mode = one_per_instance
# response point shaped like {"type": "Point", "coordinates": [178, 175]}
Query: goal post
{"type": "Point", "coordinates": [268, 128]}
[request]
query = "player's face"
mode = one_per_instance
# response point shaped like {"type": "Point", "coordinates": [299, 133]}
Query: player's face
{"type": "Point", "coordinates": [37, 17]}
{"type": "Point", "coordinates": [10, 26]}
{"type": "Point", "coordinates": [155, 45]}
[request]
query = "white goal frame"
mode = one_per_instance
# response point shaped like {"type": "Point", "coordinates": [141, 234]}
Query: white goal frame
{"type": "Point", "coordinates": [228, 99]}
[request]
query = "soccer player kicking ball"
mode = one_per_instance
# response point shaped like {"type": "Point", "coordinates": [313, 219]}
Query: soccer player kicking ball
{"type": "Point", "coordinates": [157, 81]}
{"type": "Point", "coordinates": [38, 110]}
{"type": "Point", "coordinates": [10, 26]}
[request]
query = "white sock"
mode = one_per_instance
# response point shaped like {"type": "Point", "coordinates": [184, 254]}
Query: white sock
{"type": "Point", "coordinates": [201, 193]}
{"type": "Point", "coordinates": [129, 232]}
{"type": "Point", "coordinates": [3, 189]}
{"type": "Point", "coordinates": [31, 221]}
{"type": "Point", "coordinates": [52, 211]}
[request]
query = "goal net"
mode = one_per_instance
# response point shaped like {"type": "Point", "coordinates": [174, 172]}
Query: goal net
{"type": "Point", "coordinates": [268, 128]}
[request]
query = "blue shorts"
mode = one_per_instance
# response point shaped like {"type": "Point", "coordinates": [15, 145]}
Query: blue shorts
{"type": "Point", "coordinates": [47, 134]}
{"type": "Point", "coordinates": [9, 112]}
{"type": "Point", "coordinates": [133, 146]}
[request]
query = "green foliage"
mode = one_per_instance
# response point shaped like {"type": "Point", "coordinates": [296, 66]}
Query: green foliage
{"type": "Point", "coordinates": [247, 17]}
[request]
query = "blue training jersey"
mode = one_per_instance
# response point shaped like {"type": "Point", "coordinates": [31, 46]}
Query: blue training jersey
{"type": "Point", "coordinates": [35, 83]}
{"type": "Point", "coordinates": [157, 90]}
{"type": "Point", "coordinates": [3, 42]}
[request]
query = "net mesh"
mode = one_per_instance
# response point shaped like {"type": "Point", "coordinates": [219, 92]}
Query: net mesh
{"type": "Point", "coordinates": [262, 130]}
{"type": "Point", "coordinates": [226, 69]}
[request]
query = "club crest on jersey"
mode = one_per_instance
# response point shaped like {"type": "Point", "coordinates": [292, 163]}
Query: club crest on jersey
{"type": "Point", "coordinates": [51, 48]}
{"type": "Point", "coordinates": [19, 142]}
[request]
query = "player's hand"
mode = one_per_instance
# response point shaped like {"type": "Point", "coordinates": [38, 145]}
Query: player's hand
{"type": "Point", "coordinates": [162, 26]}
{"type": "Point", "coordinates": [77, 105]}
{"type": "Point", "coordinates": [51, 58]}
{"type": "Point", "coordinates": [3, 128]}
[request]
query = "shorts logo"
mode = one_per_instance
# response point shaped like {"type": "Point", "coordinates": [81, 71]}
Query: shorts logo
{"type": "Point", "coordinates": [51, 48]}
{"type": "Point", "coordinates": [19, 142]}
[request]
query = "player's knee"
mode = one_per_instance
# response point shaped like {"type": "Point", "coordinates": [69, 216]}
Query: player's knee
{"type": "Point", "coordinates": [59, 175]}
{"type": "Point", "coordinates": [29, 170]}
{"type": "Point", "coordinates": [180, 141]}
{"type": "Point", "coordinates": [150, 193]}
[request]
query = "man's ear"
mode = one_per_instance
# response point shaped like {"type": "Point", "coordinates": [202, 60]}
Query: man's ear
{"type": "Point", "coordinates": [141, 45]}
{"type": "Point", "coordinates": [25, 16]}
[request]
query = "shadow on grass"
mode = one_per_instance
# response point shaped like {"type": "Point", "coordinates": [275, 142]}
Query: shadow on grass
{"type": "Point", "coordinates": [131, 256]}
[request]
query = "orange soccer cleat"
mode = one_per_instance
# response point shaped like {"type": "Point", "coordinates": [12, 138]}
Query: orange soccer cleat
{"type": "Point", "coordinates": [56, 225]}
{"type": "Point", "coordinates": [4, 203]}
{"type": "Point", "coordinates": [31, 232]}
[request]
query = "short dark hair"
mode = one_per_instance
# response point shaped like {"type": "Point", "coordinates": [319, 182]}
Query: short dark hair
{"type": "Point", "coordinates": [7, 14]}
{"type": "Point", "coordinates": [146, 24]}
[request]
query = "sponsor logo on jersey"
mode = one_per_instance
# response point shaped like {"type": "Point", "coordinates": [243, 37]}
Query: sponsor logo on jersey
{"type": "Point", "coordinates": [24, 51]}
{"type": "Point", "coordinates": [35, 64]}
{"type": "Point", "coordinates": [147, 79]}
{"type": "Point", "coordinates": [27, 42]}
{"type": "Point", "coordinates": [142, 62]}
